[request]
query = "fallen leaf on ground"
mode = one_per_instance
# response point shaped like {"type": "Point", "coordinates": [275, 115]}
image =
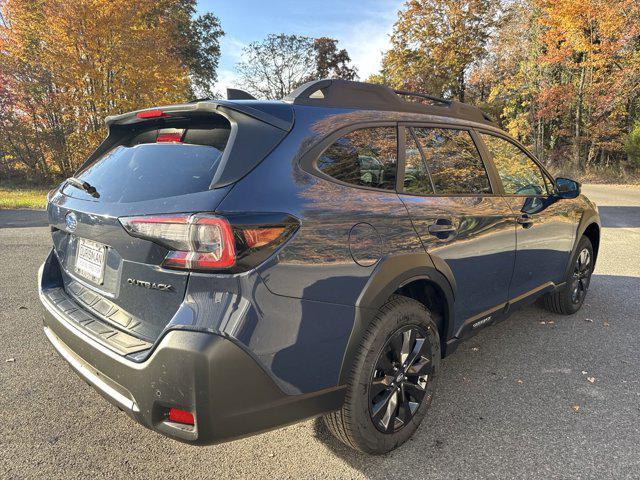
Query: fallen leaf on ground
{"type": "Point", "coordinates": [588, 320]}
{"type": "Point", "coordinates": [551, 322]}
{"type": "Point", "coordinates": [606, 324]}
{"type": "Point", "coordinates": [576, 408]}
{"type": "Point", "coordinates": [591, 379]}
{"type": "Point", "coordinates": [22, 307]}
{"type": "Point", "coordinates": [520, 381]}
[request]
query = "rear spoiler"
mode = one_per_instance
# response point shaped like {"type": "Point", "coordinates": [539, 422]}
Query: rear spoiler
{"type": "Point", "coordinates": [207, 107]}
{"type": "Point", "coordinates": [254, 131]}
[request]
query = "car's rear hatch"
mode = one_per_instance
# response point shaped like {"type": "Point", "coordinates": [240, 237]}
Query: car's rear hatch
{"type": "Point", "coordinates": [181, 159]}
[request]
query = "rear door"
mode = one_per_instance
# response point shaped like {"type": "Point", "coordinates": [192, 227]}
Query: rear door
{"type": "Point", "coordinates": [546, 224]}
{"type": "Point", "coordinates": [465, 226]}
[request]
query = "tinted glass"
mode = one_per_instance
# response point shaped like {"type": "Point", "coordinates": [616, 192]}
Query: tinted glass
{"type": "Point", "coordinates": [519, 174]}
{"type": "Point", "coordinates": [141, 169]}
{"type": "Point", "coordinates": [365, 157]}
{"type": "Point", "coordinates": [453, 160]}
{"type": "Point", "coordinates": [416, 176]}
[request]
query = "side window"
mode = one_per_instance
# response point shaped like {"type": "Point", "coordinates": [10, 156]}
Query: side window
{"type": "Point", "coordinates": [453, 160]}
{"type": "Point", "coordinates": [519, 174]}
{"type": "Point", "coordinates": [365, 157]}
{"type": "Point", "coordinates": [416, 175]}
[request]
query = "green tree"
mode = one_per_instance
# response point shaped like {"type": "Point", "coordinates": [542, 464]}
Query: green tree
{"type": "Point", "coordinates": [435, 44]}
{"type": "Point", "coordinates": [198, 44]}
{"type": "Point", "coordinates": [632, 144]}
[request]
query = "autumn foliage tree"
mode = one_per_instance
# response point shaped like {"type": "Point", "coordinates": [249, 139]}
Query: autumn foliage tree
{"type": "Point", "coordinates": [560, 75]}
{"type": "Point", "coordinates": [435, 44]}
{"type": "Point", "coordinates": [592, 52]}
{"type": "Point", "coordinates": [64, 66]}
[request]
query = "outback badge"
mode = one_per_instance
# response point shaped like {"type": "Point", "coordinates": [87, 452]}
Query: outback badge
{"type": "Point", "coordinates": [164, 287]}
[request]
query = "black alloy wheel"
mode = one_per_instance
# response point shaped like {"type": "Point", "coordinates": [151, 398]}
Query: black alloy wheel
{"type": "Point", "coordinates": [568, 297]}
{"type": "Point", "coordinates": [399, 381]}
{"type": "Point", "coordinates": [581, 276]}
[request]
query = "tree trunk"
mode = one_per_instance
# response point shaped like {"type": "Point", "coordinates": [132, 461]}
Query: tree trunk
{"type": "Point", "coordinates": [578, 124]}
{"type": "Point", "coordinates": [461, 85]}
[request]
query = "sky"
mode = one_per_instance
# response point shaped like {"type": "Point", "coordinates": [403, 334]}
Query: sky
{"type": "Point", "coordinates": [361, 26]}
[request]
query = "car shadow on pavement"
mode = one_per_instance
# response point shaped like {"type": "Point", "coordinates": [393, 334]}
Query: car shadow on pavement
{"type": "Point", "coordinates": [23, 218]}
{"type": "Point", "coordinates": [619, 217]}
{"type": "Point", "coordinates": [509, 392]}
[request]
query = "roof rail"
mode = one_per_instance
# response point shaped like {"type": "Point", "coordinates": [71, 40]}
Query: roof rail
{"type": "Point", "coordinates": [347, 94]}
{"type": "Point", "coordinates": [423, 95]}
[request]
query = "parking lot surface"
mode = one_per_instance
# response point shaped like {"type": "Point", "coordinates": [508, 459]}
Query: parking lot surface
{"type": "Point", "coordinates": [537, 396]}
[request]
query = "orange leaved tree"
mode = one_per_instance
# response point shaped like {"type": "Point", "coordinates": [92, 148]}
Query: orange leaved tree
{"type": "Point", "coordinates": [64, 66]}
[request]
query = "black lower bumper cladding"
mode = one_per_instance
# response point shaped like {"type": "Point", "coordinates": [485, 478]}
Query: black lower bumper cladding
{"type": "Point", "coordinates": [228, 392]}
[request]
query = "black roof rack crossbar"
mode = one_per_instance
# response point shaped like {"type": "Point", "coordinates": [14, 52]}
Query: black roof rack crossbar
{"type": "Point", "coordinates": [433, 98]}
{"type": "Point", "coordinates": [347, 94]}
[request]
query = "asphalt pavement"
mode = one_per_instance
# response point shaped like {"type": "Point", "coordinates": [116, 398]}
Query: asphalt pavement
{"type": "Point", "coordinates": [537, 396]}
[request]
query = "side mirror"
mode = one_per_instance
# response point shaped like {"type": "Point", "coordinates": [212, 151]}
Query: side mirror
{"type": "Point", "coordinates": [567, 188]}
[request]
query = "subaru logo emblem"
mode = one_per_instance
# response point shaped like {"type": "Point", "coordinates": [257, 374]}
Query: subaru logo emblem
{"type": "Point", "coordinates": [71, 221]}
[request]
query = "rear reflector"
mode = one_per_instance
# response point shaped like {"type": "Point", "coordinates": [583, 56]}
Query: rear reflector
{"type": "Point", "coordinates": [151, 114]}
{"type": "Point", "coordinates": [181, 416]}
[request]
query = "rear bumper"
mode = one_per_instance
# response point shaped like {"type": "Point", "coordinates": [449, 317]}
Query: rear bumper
{"type": "Point", "coordinates": [228, 392]}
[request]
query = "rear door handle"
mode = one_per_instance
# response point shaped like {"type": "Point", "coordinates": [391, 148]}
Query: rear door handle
{"type": "Point", "coordinates": [525, 220]}
{"type": "Point", "coordinates": [442, 228]}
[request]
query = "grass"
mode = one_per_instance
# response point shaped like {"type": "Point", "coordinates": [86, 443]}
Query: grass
{"type": "Point", "coordinates": [21, 196]}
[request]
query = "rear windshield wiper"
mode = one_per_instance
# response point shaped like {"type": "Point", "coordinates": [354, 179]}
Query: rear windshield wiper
{"type": "Point", "coordinates": [86, 186]}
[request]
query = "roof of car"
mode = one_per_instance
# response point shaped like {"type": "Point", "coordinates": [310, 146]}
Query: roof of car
{"type": "Point", "coordinates": [347, 94]}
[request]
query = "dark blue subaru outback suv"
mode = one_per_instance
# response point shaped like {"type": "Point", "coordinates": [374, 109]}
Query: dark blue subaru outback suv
{"type": "Point", "coordinates": [221, 268]}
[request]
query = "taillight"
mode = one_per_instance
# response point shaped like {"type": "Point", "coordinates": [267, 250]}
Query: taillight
{"type": "Point", "coordinates": [206, 242]}
{"type": "Point", "coordinates": [197, 242]}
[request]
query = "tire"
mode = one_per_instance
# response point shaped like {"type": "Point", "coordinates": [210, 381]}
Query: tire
{"type": "Point", "coordinates": [379, 374]}
{"type": "Point", "coordinates": [565, 300]}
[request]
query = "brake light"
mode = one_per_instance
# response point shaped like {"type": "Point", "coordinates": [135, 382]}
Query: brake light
{"type": "Point", "coordinates": [151, 114]}
{"type": "Point", "coordinates": [196, 242]}
{"type": "Point", "coordinates": [181, 416]}
{"type": "Point", "coordinates": [170, 135]}
{"type": "Point", "coordinates": [207, 242]}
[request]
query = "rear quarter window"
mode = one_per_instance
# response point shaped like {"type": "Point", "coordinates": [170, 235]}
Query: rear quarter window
{"type": "Point", "coordinates": [365, 157]}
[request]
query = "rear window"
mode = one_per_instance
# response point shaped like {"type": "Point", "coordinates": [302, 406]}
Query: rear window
{"type": "Point", "coordinates": [156, 163]}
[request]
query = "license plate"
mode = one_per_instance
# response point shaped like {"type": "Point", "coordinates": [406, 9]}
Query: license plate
{"type": "Point", "coordinates": [90, 259]}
